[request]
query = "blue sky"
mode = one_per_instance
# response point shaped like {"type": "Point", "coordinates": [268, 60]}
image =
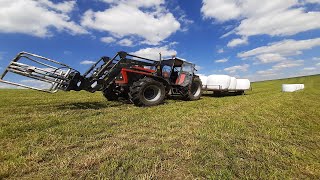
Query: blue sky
{"type": "Point", "coordinates": [250, 38]}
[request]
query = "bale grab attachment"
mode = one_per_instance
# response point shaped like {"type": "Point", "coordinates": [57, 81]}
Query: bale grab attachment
{"type": "Point", "coordinates": [36, 69]}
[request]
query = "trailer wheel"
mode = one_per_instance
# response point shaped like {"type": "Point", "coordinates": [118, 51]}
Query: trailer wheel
{"type": "Point", "coordinates": [147, 92]}
{"type": "Point", "coordinates": [240, 92]}
{"type": "Point", "coordinates": [195, 90]}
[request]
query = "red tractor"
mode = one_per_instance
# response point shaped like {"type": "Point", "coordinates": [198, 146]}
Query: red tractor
{"type": "Point", "coordinates": [143, 81]}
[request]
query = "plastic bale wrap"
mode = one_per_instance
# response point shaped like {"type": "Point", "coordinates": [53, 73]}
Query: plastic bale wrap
{"type": "Point", "coordinates": [233, 84]}
{"type": "Point", "coordinates": [243, 84]}
{"type": "Point", "coordinates": [218, 82]}
{"type": "Point", "coordinates": [204, 81]}
{"type": "Point", "coordinates": [289, 87]}
{"type": "Point", "coordinates": [292, 87]}
{"type": "Point", "coordinates": [299, 86]}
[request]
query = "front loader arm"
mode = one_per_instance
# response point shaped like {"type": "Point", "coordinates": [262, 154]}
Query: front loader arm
{"type": "Point", "coordinates": [36, 72]}
{"type": "Point", "coordinates": [32, 71]}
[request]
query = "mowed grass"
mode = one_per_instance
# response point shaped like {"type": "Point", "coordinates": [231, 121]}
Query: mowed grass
{"type": "Point", "coordinates": [265, 134]}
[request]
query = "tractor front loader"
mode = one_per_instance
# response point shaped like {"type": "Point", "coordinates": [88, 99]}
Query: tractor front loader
{"type": "Point", "coordinates": [143, 81]}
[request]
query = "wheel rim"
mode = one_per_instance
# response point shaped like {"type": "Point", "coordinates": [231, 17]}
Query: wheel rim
{"type": "Point", "coordinates": [195, 89]}
{"type": "Point", "coordinates": [152, 93]}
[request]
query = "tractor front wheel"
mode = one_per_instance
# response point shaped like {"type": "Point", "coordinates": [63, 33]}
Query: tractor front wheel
{"type": "Point", "coordinates": [195, 90]}
{"type": "Point", "coordinates": [110, 94]}
{"type": "Point", "coordinates": [147, 92]}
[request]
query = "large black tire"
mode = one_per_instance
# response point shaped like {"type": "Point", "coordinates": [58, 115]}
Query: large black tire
{"type": "Point", "coordinates": [195, 90]}
{"type": "Point", "coordinates": [110, 94]}
{"type": "Point", "coordinates": [147, 92]}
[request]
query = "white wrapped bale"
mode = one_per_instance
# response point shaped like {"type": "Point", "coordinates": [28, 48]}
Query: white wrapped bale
{"type": "Point", "coordinates": [204, 81]}
{"type": "Point", "coordinates": [233, 84]}
{"type": "Point", "coordinates": [301, 86]}
{"type": "Point", "coordinates": [289, 87]}
{"type": "Point", "coordinates": [218, 82]}
{"type": "Point", "coordinates": [243, 84]}
{"type": "Point", "coordinates": [292, 87]}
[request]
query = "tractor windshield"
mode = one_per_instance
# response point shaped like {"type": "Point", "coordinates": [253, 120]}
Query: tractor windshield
{"type": "Point", "coordinates": [187, 67]}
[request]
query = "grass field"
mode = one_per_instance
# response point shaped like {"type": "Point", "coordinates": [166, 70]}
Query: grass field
{"type": "Point", "coordinates": [265, 134]}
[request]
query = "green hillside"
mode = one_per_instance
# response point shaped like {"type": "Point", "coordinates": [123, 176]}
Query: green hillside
{"type": "Point", "coordinates": [265, 134]}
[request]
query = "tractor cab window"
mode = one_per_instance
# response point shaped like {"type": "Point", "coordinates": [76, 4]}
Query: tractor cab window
{"type": "Point", "coordinates": [177, 69]}
{"type": "Point", "coordinates": [186, 67]}
{"type": "Point", "coordinates": [166, 71]}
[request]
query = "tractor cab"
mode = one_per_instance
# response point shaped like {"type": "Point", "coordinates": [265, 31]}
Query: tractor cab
{"type": "Point", "coordinates": [177, 71]}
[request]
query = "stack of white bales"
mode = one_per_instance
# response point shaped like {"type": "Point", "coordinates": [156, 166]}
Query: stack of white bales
{"type": "Point", "coordinates": [292, 87]}
{"type": "Point", "coordinates": [204, 81]}
{"type": "Point", "coordinates": [224, 83]}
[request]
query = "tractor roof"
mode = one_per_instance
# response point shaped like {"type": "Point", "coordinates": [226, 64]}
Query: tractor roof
{"type": "Point", "coordinates": [177, 61]}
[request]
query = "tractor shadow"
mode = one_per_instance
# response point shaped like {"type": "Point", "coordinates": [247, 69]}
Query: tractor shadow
{"type": "Point", "coordinates": [222, 95]}
{"type": "Point", "coordinates": [89, 105]}
{"type": "Point", "coordinates": [175, 98]}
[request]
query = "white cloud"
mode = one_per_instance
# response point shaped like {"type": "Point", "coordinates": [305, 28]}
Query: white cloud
{"type": "Point", "coordinates": [137, 3]}
{"type": "Point", "coordinates": [125, 42]}
{"type": "Point", "coordinates": [270, 58]}
{"type": "Point", "coordinates": [312, 1]}
{"type": "Point", "coordinates": [316, 58]}
{"type": "Point", "coordinates": [107, 40]}
{"type": "Point", "coordinates": [66, 52]}
{"type": "Point", "coordinates": [37, 17]}
{"type": "Point", "coordinates": [283, 23]}
{"type": "Point", "coordinates": [288, 64]}
{"type": "Point", "coordinates": [173, 43]}
{"type": "Point", "coordinates": [185, 22]}
{"type": "Point", "coordinates": [268, 72]}
{"type": "Point", "coordinates": [279, 68]}
{"type": "Point", "coordinates": [198, 68]}
{"type": "Point", "coordinates": [318, 64]}
{"type": "Point", "coordinates": [309, 68]}
{"type": "Point", "coordinates": [221, 60]}
{"type": "Point", "coordinates": [282, 49]}
{"type": "Point", "coordinates": [216, 9]}
{"type": "Point", "coordinates": [130, 18]}
{"type": "Point", "coordinates": [234, 69]}
{"type": "Point", "coordinates": [221, 51]}
{"type": "Point", "coordinates": [87, 62]}
{"type": "Point", "coordinates": [36, 83]}
{"type": "Point", "coordinates": [273, 17]}
{"type": "Point", "coordinates": [221, 10]}
{"type": "Point", "coordinates": [7, 86]}
{"type": "Point", "coordinates": [237, 42]}
{"type": "Point", "coordinates": [153, 53]}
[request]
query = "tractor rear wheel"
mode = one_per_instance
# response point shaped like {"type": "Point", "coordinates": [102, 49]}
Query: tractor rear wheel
{"type": "Point", "coordinates": [195, 90]}
{"type": "Point", "coordinates": [147, 92]}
